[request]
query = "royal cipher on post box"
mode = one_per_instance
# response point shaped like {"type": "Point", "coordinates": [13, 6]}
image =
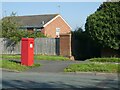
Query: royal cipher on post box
{"type": "Point", "coordinates": [27, 51]}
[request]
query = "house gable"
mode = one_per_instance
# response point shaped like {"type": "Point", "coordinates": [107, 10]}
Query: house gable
{"type": "Point", "coordinates": [52, 27]}
{"type": "Point", "coordinates": [54, 19]}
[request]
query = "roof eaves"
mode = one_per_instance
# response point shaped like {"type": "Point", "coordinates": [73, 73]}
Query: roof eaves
{"type": "Point", "coordinates": [55, 18]}
{"type": "Point", "coordinates": [32, 26]}
{"type": "Point", "coordinates": [51, 20]}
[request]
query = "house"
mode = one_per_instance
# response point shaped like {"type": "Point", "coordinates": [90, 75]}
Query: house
{"type": "Point", "coordinates": [51, 25]}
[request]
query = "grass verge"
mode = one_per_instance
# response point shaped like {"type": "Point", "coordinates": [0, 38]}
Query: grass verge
{"type": "Point", "coordinates": [15, 66]}
{"type": "Point", "coordinates": [45, 57]}
{"type": "Point", "coordinates": [36, 57]}
{"type": "Point", "coordinates": [92, 67]}
{"type": "Point", "coordinates": [8, 56]}
{"type": "Point", "coordinates": [117, 60]}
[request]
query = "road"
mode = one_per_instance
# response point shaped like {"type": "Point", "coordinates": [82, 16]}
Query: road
{"type": "Point", "coordinates": [32, 80]}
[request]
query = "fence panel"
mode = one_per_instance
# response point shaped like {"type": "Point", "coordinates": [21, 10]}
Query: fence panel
{"type": "Point", "coordinates": [1, 45]}
{"type": "Point", "coordinates": [9, 47]}
{"type": "Point", "coordinates": [46, 46]}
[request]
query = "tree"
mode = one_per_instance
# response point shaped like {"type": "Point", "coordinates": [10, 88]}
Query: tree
{"type": "Point", "coordinates": [104, 25]}
{"type": "Point", "coordinates": [113, 0]}
{"type": "Point", "coordinates": [11, 30]}
{"type": "Point", "coordinates": [82, 45]}
{"type": "Point", "coordinates": [0, 28]}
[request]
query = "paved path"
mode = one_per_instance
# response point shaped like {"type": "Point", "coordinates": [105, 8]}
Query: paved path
{"type": "Point", "coordinates": [52, 66]}
{"type": "Point", "coordinates": [32, 80]}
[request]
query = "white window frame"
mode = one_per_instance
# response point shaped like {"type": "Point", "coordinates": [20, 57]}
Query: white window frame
{"type": "Point", "coordinates": [57, 32]}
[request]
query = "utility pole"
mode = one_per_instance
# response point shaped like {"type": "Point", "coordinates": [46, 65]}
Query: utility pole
{"type": "Point", "coordinates": [59, 9]}
{"type": "Point", "coordinates": [4, 13]}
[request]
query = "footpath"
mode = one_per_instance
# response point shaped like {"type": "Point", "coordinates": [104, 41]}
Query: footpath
{"type": "Point", "coordinates": [52, 66]}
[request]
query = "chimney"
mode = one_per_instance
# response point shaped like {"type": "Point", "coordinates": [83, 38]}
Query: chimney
{"type": "Point", "coordinates": [43, 22]}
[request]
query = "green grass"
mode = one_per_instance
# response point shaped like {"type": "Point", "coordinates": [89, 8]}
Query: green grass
{"type": "Point", "coordinates": [104, 60]}
{"type": "Point", "coordinates": [8, 56]}
{"type": "Point", "coordinates": [11, 65]}
{"type": "Point", "coordinates": [36, 57]}
{"type": "Point", "coordinates": [92, 67]}
{"type": "Point", "coordinates": [45, 57]}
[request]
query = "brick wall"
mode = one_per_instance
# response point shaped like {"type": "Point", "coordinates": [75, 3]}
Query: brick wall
{"type": "Point", "coordinates": [50, 29]}
{"type": "Point", "coordinates": [65, 45]}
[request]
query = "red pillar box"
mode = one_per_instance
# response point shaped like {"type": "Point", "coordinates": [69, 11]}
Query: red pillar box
{"type": "Point", "coordinates": [27, 51]}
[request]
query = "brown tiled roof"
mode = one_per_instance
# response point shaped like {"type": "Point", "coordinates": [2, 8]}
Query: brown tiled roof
{"type": "Point", "coordinates": [34, 20]}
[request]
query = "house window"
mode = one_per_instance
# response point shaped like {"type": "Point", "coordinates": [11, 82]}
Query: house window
{"type": "Point", "coordinates": [37, 30]}
{"type": "Point", "coordinates": [57, 32]}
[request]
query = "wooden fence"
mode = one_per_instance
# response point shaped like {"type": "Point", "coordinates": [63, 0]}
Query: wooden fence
{"type": "Point", "coordinates": [47, 46]}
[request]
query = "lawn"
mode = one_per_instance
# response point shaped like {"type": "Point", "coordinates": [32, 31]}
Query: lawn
{"type": "Point", "coordinates": [117, 60]}
{"type": "Point", "coordinates": [8, 56]}
{"type": "Point", "coordinates": [15, 66]}
{"type": "Point", "coordinates": [36, 57]}
{"type": "Point", "coordinates": [92, 67]}
{"type": "Point", "coordinates": [45, 57]}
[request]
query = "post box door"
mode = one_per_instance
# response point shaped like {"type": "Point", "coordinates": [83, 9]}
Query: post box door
{"type": "Point", "coordinates": [31, 51]}
{"type": "Point", "coordinates": [27, 51]}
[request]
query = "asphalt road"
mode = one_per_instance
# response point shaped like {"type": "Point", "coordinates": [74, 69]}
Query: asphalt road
{"type": "Point", "coordinates": [30, 80]}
